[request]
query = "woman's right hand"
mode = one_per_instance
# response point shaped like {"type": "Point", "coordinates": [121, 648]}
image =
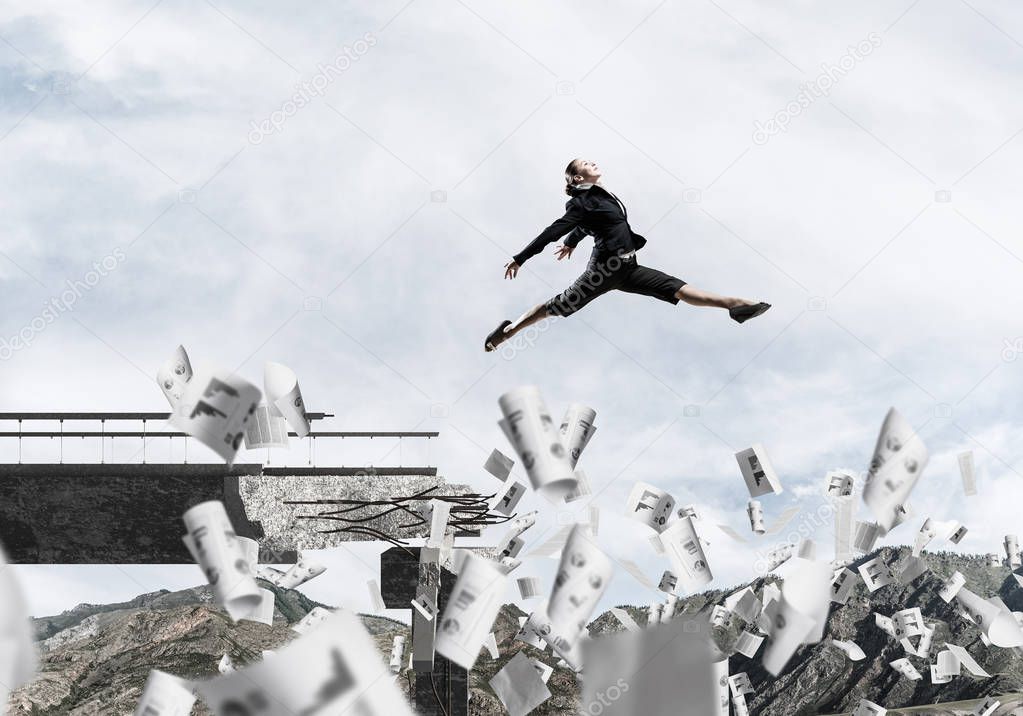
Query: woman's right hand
{"type": "Point", "coordinates": [511, 269]}
{"type": "Point", "coordinates": [563, 252]}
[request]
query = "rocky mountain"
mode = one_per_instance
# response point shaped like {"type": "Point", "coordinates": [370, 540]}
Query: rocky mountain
{"type": "Point", "coordinates": [95, 658]}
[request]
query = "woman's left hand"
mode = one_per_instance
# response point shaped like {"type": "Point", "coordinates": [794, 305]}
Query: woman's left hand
{"type": "Point", "coordinates": [563, 252]}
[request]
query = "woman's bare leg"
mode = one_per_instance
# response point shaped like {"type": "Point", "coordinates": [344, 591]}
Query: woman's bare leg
{"type": "Point", "coordinates": [698, 297]}
{"type": "Point", "coordinates": [534, 315]}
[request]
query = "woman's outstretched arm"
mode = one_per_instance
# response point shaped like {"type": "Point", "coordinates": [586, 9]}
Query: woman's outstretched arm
{"type": "Point", "coordinates": [573, 216]}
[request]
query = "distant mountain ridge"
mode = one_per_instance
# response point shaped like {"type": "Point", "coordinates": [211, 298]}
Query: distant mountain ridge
{"type": "Point", "coordinates": [95, 658]}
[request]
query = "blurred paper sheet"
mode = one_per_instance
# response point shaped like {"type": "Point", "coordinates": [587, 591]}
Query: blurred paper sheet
{"type": "Point", "coordinates": [284, 397]}
{"type": "Point", "coordinates": [530, 429]}
{"type": "Point", "coordinates": [852, 650]}
{"type": "Point", "coordinates": [266, 430]}
{"type": "Point", "coordinates": [499, 465]}
{"type": "Point", "coordinates": [519, 686]}
{"type": "Point", "coordinates": [332, 669]}
{"type": "Point", "coordinates": [968, 473]}
{"type": "Point", "coordinates": [165, 695]}
{"type": "Point", "coordinates": [471, 610]}
{"type": "Point", "coordinates": [173, 377]}
{"type": "Point", "coordinates": [898, 461]}
{"type": "Point", "coordinates": [757, 471]}
{"type": "Point", "coordinates": [213, 544]}
{"type": "Point", "coordinates": [215, 409]}
{"type": "Point", "coordinates": [577, 429]}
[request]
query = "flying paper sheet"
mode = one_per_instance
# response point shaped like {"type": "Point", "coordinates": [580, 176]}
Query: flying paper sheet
{"type": "Point", "coordinates": [471, 610]}
{"type": "Point", "coordinates": [964, 658]}
{"type": "Point", "coordinates": [649, 505]}
{"type": "Point", "coordinates": [397, 653]}
{"type": "Point", "coordinates": [529, 587]}
{"type": "Point", "coordinates": [951, 586]}
{"type": "Point", "coordinates": [576, 429]}
{"type": "Point", "coordinates": [284, 397]}
{"type": "Point", "coordinates": [997, 622]}
{"type": "Point", "coordinates": [885, 624]}
{"type": "Point", "coordinates": [840, 483]}
{"type": "Point", "coordinates": [739, 684]}
{"type": "Point", "coordinates": [668, 609]}
{"type": "Point", "coordinates": [748, 643]}
{"type": "Point", "coordinates": [499, 465]}
{"type": "Point", "coordinates": [173, 377]}
{"type": "Point", "coordinates": [845, 527]}
{"type": "Point", "coordinates": [869, 708]}
{"type": "Point", "coordinates": [543, 669]}
{"type": "Point", "coordinates": [331, 670]}
{"type": "Point", "coordinates": [682, 545]}
{"type": "Point", "coordinates": [719, 616]}
{"type": "Point", "coordinates": [866, 535]}
{"type": "Point", "coordinates": [439, 513]}
{"type": "Point", "coordinates": [987, 707]}
{"type": "Point", "coordinates": [165, 695]}
{"type": "Point", "coordinates": [374, 596]}
{"type": "Point", "coordinates": [1012, 551]}
{"type": "Point", "coordinates": [875, 574]}
{"type": "Point", "coordinates": [530, 429]}
{"type": "Point", "coordinates": [215, 409]}
{"type": "Point", "coordinates": [906, 668]}
{"type": "Point", "coordinates": [967, 472]}
{"type": "Point", "coordinates": [491, 645]}
{"type": "Point", "coordinates": [636, 572]}
{"type": "Point", "coordinates": [908, 623]}
{"type": "Point", "coordinates": [912, 568]}
{"type": "Point", "coordinates": [553, 546]}
{"type": "Point", "coordinates": [266, 430]}
{"type": "Point", "coordinates": [673, 670]}
{"type": "Point", "coordinates": [519, 687]}
{"type": "Point", "coordinates": [783, 520]}
{"type": "Point", "coordinates": [624, 619]}
{"type": "Point", "coordinates": [852, 650]}
{"type": "Point", "coordinates": [923, 648]}
{"type": "Point", "coordinates": [799, 614]}
{"type": "Point", "coordinates": [300, 573]}
{"type": "Point", "coordinates": [581, 489]}
{"type": "Point", "coordinates": [311, 620]}
{"type": "Point", "coordinates": [755, 512]}
{"type": "Point", "coordinates": [225, 665]}
{"type": "Point", "coordinates": [582, 579]}
{"type": "Point", "coordinates": [212, 542]}
{"type": "Point", "coordinates": [898, 461]}
{"type": "Point", "coordinates": [842, 585]}
{"type": "Point", "coordinates": [530, 627]}
{"type": "Point", "coordinates": [668, 582]}
{"type": "Point", "coordinates": [732, 533]}
{"type": "Point", "coordinates": [760, 477]}
{"type": "Point", "coordinates": [506, 503]}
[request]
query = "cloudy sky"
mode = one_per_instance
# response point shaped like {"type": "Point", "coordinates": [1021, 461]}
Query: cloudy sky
{"type": "Point", "coordinates": [858, 168]}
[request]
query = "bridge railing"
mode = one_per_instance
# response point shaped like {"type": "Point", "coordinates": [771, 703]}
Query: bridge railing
{"type": "Point", "coordinates": [145, 437]}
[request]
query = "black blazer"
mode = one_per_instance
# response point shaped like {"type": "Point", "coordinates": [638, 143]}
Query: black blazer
{"type": "Point", "coordinates": [596, 212]}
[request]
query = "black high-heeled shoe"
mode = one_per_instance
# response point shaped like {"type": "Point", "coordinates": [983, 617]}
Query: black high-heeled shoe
{"type": "Point", "coordinates": [741, 314]}
{"type": "Point", "coordinates": [496, 338]}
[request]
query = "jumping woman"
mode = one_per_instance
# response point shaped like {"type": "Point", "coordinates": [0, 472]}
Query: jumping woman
{"type": "Point", "coordinates": [593, 210]}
